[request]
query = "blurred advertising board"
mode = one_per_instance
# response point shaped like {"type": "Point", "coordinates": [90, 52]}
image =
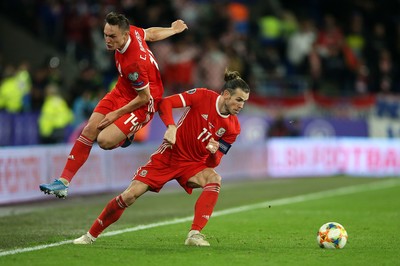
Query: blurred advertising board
{"type": "Point", "coordinates": [23, 169]}
{"type": "Point", "coordinates": [300, 157]}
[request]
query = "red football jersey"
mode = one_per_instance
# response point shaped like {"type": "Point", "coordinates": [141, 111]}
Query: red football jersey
{"type": "Point", "coordinates": [138, 68]}
{"type": "Point", "coordinates": [200, 122]}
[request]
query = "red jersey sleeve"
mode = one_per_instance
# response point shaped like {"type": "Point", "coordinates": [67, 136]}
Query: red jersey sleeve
{"type": "Point", "coordinates": [194, 96]}
{"type": "Point", "coordinates": [141, 32]}
{"type": "Point", "coordinates": [137, 75]}
{"type": "Point", "coordinates": [184, 99]}
{"type": "Point", "coordinates": [166, 105]}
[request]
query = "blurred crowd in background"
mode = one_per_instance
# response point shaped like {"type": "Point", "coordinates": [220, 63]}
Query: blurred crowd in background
{"type": "Point", "coordinates": [281, 48]}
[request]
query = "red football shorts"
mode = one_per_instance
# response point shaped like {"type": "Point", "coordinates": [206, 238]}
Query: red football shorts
{"type": "Point", "coordinates": [162, 168]}
{"type": "Point", "coordinates": [128, 123]}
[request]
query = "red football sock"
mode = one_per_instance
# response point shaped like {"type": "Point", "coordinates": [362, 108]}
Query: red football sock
{"type": "Point", "coordinates": [77, 157]}
{"type": "Point", "coordinates": [205, 205]}
{"type": "Point", "coordinates": [108, 216]}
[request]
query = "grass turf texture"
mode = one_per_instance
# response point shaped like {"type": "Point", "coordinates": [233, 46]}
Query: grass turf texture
{"type": "Point", "coordinates": [281, 235]}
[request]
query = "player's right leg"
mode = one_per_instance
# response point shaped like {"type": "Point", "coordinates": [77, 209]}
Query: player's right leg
{"type": "Point", "coordinates": [210, 181]}
{"type": "Point", "coordinates": [113, 211]}
{"type": "Point", "coordinates": [195, 238]}
{"type": "Point", "coordinates": [77, 157]}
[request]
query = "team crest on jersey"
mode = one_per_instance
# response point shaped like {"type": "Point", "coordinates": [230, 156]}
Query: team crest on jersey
{"type": "Point", "coordinates": [221, 131]}
{"type": "Point", "coordinates": [191, 91]}
{"type": "Point", "coordinates": [143, 173]}
{"type": "Point", "coordinates": [133, 76]}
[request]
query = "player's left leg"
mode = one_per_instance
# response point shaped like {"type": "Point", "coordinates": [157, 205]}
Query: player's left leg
{"type": "Point", "coordinates": [210, 181]}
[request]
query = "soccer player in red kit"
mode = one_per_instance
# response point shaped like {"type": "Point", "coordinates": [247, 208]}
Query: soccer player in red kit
{"type": "Point", "coordinates": [132, 102]}
{"type": "Point", "coordinates": [191, 150]}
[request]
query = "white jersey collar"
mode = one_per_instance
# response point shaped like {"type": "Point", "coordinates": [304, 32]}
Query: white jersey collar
{"type": "Point", "coordinates": [126, 45]}
{"type": "Point", "coordinates": [216, 107]}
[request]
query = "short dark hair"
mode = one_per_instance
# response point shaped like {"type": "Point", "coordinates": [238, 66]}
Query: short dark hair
{"type": "Point", "coordinates": [119, 20]}
{"type": "Point", "coordinates": [234, 81]}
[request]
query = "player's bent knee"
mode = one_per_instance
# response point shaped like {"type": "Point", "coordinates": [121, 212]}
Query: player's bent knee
{"type": "Point", "coordinates": [105, 143]}
{"type": "Point", "coordinates": [207, 176]}
{"type": "Point", "coordinates": [89, 132]}
{"type": "Point", "coordinates": [129, 198]}
{"type": "Point", "coordinates": [130, 195]}
{"type": "Point", "coordinates": [134, 191]}
{"type": "Point", "coordinates": [214, 178]}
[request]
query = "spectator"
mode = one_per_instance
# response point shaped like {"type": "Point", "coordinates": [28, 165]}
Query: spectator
{"type": "Point", "coordinates": [333, 64]}
{"type": "Point", "coordinates": [83, 107]}
{"type": "Point", "coordinates": [77, 30]}
{"type": "Point", "coordinates": [212, 65]}
{"type": "Point", "coordinates": [356, 38]}
{"type": "Point", "coordinates": [385, 74]}
{"type": "Point", "coordinates": [239, 15]}
{"type": "Point", "coordinates": [300, 44]}
{"type": "Point", "coordinates": [89, 79]}
{"type": "Point", "coordinates": [362, 82]}
{"type": "Point", "coordinates": [50, 21]}
{"type": "Point", "coordinates": [330, 35]}
{"type": "Point", "coordinates": [180, 66]}
{"type": "Point", "coordinates": [15, 88]}
{"type": "Point", "coordinates": [235, 61]}
{"type": "Point", "coordinates": [55, 117]}
{"type": "Point", "coordinates": [376, 43]}
{"type": "Point", "coordinates": [24, 83]}
{"type": "Point", "coordinates": [40, 79]}
{"type": "Point", "coordinates": [270, 30]}
{"type": "Point", "coordinates": [272, 62]}
{"type": "Point", "coordinates": [189, 11]}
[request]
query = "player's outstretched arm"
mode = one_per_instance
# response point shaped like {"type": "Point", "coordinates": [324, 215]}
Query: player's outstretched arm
{"type": "Point", "coordinates": [159, 33]}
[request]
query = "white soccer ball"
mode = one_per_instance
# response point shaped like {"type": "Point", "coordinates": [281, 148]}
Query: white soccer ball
{"type": "Point", "coordinates": [332, 235]}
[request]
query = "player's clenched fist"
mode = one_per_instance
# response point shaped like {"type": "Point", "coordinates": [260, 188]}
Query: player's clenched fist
{"type": "Point", "coordinates": [212, 146]}
{"type": "Point", "coordinates": [179, 26]}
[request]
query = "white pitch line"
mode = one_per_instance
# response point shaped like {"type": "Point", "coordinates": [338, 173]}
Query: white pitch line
{"type": "Point", "coordinates": [278, 202]}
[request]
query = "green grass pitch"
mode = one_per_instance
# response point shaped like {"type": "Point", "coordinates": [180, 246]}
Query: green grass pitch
{"type": "Point", "coordinates": [256, 222]}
